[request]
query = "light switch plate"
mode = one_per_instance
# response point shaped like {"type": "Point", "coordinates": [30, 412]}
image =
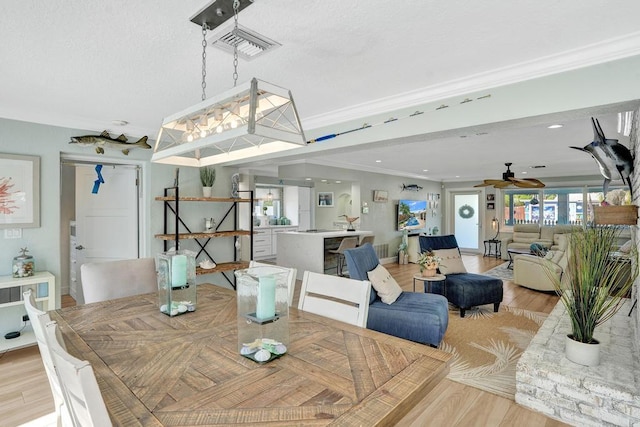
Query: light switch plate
{"type": "Point", "coordinates": [13, 233]}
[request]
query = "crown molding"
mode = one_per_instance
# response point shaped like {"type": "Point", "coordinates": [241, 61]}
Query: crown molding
{"type": "Point", "coordinates": [582, 57]}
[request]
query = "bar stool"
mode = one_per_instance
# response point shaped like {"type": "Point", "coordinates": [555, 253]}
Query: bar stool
{"type": "Point", "coordinates": [366, 239]}
{"type": "Point", "coordinates": [346, 243]}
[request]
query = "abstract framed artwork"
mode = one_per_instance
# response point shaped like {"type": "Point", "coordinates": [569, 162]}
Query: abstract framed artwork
{"type": "Point", "coordinates": [19, 191]}
{"type": "Point", "coordinates": [491, 197]}
{"type": "Point", "coordinates": [380, 196]}
{"type": "Point", "coordinates": [325, 199]}
{"type": "Point", "coordinates": [491, 206]}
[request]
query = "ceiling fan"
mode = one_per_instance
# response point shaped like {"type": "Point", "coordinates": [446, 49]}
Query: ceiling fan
{"type": "Point", "coordinates": [508, 179]}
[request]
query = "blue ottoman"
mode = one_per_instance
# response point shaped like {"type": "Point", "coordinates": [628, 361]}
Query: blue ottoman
{"type": "Point", "coordinates": [466, 290]}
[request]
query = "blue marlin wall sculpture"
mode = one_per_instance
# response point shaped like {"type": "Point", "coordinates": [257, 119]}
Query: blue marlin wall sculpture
{"type": "Point", "coordinates": [610, 156]}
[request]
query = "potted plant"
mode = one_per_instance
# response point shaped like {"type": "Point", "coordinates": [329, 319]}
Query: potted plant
{"type": "Point", "coordinates": [207, 178]}
{"type": "Point", "coordinates": [592, 288]}
{"type": "Point", "coordinates": [429, 263]}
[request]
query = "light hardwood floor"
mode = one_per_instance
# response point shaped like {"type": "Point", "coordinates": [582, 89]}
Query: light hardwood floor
{"type": "Point", "coordinates": [25, 394]}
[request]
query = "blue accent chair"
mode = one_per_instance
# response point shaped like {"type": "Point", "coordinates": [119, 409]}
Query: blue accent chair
{"type": "Point", "coordinates": [413, 316]}
{"type": "Point", "coordinates": [464, 290]}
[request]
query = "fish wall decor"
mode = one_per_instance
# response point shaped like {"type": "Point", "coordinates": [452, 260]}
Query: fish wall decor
{"type": "Point", "coordinates": [611, 157]}
{"type": "Point", "coordinates": [104, 139]}
{"type": "Point", "coordinates": [411, 187]}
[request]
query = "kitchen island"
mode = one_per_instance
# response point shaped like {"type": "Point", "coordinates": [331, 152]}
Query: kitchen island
{"type": "Point", "coordinates": [308, 250]}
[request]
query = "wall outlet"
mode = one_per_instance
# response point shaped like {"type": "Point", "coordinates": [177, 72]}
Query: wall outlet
{"type": "Point", "coordinates": [25, 317]}
{"type": "Point", "coordinates": [13, 233]}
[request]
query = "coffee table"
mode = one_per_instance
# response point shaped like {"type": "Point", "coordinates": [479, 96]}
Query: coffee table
{"type": "Point", "coordinates": [511, 252]}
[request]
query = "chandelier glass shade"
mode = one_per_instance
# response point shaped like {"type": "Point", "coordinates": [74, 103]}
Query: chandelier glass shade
{"type": "Point", "coordinates": [249, 120]}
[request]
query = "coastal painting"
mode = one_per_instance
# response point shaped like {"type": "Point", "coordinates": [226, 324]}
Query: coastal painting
{"type": "Point", "coordinates": [19, 191]}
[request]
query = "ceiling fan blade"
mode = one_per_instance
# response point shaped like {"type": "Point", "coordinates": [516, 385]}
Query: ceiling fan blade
{"type": "Point", "coordinates": [502, 184]}
{"type": "Point", "coordinates": [488, 182]}
{"type": "Point", "coordinates": [527, 182]}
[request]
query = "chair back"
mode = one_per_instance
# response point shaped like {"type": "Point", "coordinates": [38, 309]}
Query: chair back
{"type": "Point", "coordinates": [291, 276]}
{"type": "Point", "coordinates": [360, 261]}
{"type": "Point", "coordinates": [339, 298]}
{"type": "Point", "coordinates": [78, 382]}
{"type": "Point", "coordinates": [347, 243]}
{"type": "Point", "coordinates": [103, 281]}
{"type": "Point", "coordinates": [434, 243]}
{"type": "Point", "coordinates": [39, 319]}
{"type": "Point", "coordinates": [367, 239]}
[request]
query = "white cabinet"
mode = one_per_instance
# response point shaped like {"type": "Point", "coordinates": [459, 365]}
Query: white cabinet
{"type": "Point", "coordinates": [413, 248]}
{"type": "Point", "coordinates": [304, 208]}
{"type": "Point", "coordinates": [43, 284]}
{"type": "Point", "coordinates": [265, 241]}
{"type": "Point", "coordinates": [262, 243]}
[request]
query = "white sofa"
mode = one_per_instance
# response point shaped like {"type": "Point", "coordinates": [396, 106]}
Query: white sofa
{"type": "Point", "coordinates": [536, 272]}
{"type": "Point", "coordinates": [524, 235]}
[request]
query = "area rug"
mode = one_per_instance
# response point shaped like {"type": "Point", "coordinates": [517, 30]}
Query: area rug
{"type": "Point", "coordinates": [486, 346]}
{"type": "Point", "coordinates": [501, 272]}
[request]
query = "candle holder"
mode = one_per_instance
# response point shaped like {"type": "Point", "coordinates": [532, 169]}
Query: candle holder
{"type": "Point", "coordinates": [176, 282]}
{"type": "Point", "coordinates": [263, 312]}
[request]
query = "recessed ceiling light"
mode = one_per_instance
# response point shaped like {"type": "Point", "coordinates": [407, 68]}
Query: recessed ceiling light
{"type": "Point", "coordinates": [555, 126]}
{"type": "Point", "coordinates": [323, 180]}
{"type": "Point", "coordinates": [457, 176]}
{"type": "Point", "coordinates": [338, 182]}
{"type": "Point", "coordinates": [307, 179]}
{"type": "Point", "coordinates": [119, 122]}
{"type": "Point", "coordinates": [524, 172]}
{"type": "Point", "coordinates": [378, 161]}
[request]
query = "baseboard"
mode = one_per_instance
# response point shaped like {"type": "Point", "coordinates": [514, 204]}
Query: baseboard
{"type": "Point", "coordinates": [389, 260]}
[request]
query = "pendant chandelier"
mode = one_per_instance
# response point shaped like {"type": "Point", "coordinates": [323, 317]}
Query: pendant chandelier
{"type": "Point", "coordinates": [251, 119]}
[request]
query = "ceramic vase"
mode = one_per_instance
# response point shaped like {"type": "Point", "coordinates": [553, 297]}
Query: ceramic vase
{"type": "Point", "coordinates": [582, 353]}
{"type": "Point", "coordinates": [206, 191]}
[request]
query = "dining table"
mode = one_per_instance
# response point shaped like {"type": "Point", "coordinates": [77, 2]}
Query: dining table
{"type": "Point", "coordinates": [186, 370]}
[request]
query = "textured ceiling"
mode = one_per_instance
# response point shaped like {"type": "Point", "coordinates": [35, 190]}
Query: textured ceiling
{"type": "Point", "coordinates": [84, 64]}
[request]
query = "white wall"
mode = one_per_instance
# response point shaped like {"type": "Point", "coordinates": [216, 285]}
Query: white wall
{"type": "Point", "coordinates": [45, 242]}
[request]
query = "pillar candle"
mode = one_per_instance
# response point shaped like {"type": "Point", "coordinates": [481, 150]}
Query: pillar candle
{"type": "Point", "coordinates": [178, 271]}
{"type": "Point", "coordinates": [266, 305]}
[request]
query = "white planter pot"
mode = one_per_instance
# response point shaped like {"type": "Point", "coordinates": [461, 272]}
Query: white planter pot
{"type": "Point", "coordinates": [582, 353]}
{"type": "Point", "coordinates": [206, 191]}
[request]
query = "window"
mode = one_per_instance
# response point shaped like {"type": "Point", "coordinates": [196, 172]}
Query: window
{"type": "Point", "coordinates": [550, 206]}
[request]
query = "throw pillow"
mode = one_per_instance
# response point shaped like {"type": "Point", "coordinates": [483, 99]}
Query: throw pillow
{"type": "Point", "coordinates": [451, 261]}
{"type": "Point", "coordinates": [385, 285]}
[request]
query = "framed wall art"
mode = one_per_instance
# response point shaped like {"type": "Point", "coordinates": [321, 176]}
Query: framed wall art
{"type": "Point", "coordinates": [19, 191]}
{"type": "Point", "coordinates": [325, 199]}
{"type": "Point", "coordinates": [491, 206]}
{"type": "Point", "coordinates": [380, 196]}
{"type": "Point", "coordinates": [491, 197]}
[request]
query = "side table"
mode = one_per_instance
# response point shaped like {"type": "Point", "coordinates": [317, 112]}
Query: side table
{"type": "Point", "coordinates": [492, 247]}
{"type": "Point", "coordinates": [427, 281]}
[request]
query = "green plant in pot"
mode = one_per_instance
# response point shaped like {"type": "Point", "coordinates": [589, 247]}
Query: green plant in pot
{"type": "Point", "coordinates": [207, 178]}
{"type": "Point", "coordinates": [593, 287]}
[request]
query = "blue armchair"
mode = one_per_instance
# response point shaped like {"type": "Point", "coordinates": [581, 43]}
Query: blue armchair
{"type": "Point", "coordinates": [413, 316]}
{"type": "Point", "coordinates": [464, 290]}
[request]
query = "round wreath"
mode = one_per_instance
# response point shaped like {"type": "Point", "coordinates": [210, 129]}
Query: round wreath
{"type": "Point", "coordinates": [466, 211]}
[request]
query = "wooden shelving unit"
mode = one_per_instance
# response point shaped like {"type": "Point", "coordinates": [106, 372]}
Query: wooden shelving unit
{"type": "Point", "coordinates": [172, 207]}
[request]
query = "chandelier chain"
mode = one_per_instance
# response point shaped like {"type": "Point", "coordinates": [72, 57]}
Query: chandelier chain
{"type": "Point", "coordinates": [236, 6]}
{"type": "Point", "coordinates": [204, 61]}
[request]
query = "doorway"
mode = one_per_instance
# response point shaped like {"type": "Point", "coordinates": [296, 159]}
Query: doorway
{"type": "Point", "coordinates": [465, 219]}
{"type": "Point", "coordinates": [98, 221]}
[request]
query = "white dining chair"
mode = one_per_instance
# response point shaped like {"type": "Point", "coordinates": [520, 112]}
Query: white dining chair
{"type": "Point", "coordinates": [291, 276]}
{"type": "Point", "coordinates": [346, 243]}
{"type": "Point", "coordinates": [78, 383]}
{"type": "Point", "coordinates": [39, 319]}
{"type": "Point", "coordinates": [339, 298]}
{"type": "Point", "coordinates": [103, 281]}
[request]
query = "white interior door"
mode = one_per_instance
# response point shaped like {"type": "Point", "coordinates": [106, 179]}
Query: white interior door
{"type": "Point", "coordinates": [466, 220]}
{"type": "Point", "coordinates": [106, 221]}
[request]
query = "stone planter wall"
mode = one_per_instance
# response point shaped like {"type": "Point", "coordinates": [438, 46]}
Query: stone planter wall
{"type": "Point", "coordinates": [603, 395]}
